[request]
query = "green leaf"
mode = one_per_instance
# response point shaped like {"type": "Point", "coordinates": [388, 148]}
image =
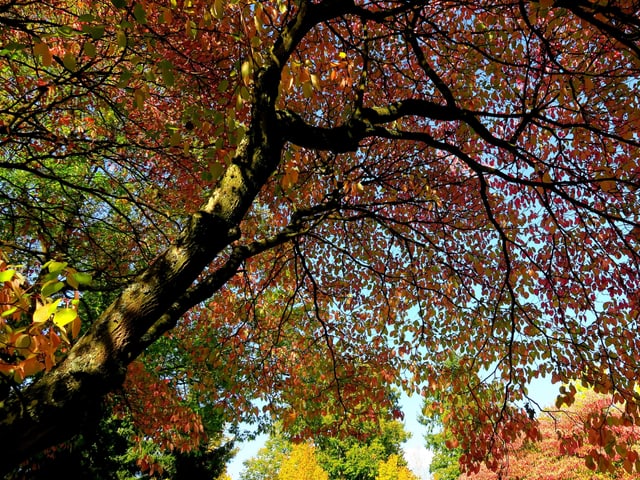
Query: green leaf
{"type": "Point", "coordinates": [119, 3]}
{"type": "Point", "coordinates": [9, 312]}
{"type": "Point", "coordinates": [175, 139]}
{"type": "Point", "coordinates": [216, 169]}
{"type": "Point", "coordinates": [166, 69]}
{"type": "Point", "coordinates": [121, 39]}
{"type": "Point", "coordinates": [63, 316]}
{"type": "Point", "coordinates": [90, 50]}
{"type": "Point", "coordinates": [7, 275]}
{"type": "Point", "coordinates": [51, 287]}
{"type": "Point", "coordinates": [69, 61]}
{"type": "Point", "coordinates": [67, 31]}
{"type": "Point", "coordinates": [54, 266]}
{"type": "Point", "coordinates": [82, 278]}
{"type": "Point", "coordinates": [125, 76]}
{"type": "Point", "coordinates": [139, 98]}
{"type": "Point", "coordinates": [139, 13]}
{"type": "Point", "coordinates": [223, 86]}
{"type": "Point", "coordinates": [95, 31]}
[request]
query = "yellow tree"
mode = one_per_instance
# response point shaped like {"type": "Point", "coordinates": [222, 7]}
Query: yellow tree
{"type": "Point", "coordinates": [302, 465]}
{"type": "Point", "coordinates": [391, 470]}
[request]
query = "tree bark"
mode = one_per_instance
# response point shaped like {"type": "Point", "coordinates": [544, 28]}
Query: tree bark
{"type": "Point", "coordinates": [61, 401]}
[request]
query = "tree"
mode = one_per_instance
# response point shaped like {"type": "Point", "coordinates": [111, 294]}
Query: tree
{"type": "Point", "coordinates": [563, 446]}
{"type": "Point", "coordinates": [359, 457]}
{"type": "Point", "coordinates": [391, 470]}
{"type": "Point", "coordinates": [266, 464]}
{"type": "Point", "coordinates": [445, 461]}
{"type": "Point", "coordinates": [115, 450]}
{"type": "Point", "coordinates": [420, 179]}
{"type": "Point", "coordinates": [302, 464]}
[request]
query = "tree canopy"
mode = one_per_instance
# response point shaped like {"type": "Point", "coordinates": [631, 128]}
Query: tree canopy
{"type": "Point", "coordinates": [315, 200]}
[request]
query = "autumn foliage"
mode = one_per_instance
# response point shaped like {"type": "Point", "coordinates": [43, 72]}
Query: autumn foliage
{"type": "Point", "coordinates": [282, 209]}
{"type": "Point", "coordinates": [301, 464]}
{"type": "Point", "coordinates": [563, 446]}
{"type": "Point", "coordinates": [35, 329]}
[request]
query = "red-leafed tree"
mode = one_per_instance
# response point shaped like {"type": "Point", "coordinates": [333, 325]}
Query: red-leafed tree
{"type": "Point", "coordinates": [314, 200]}
{"type": "Point", "coordinates": [561, 451]}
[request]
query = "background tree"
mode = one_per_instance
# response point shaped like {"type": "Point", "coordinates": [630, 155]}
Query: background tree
{"type": "Point", "coordinates": [563, 446]}
{"type": "Point", "coordinates": [301, 463]}
{"type": "Point", "coordinates": [341, 457]}
{"type": "Point", "coordinates": [335, 195]}
{"type": "Point", "coordinates": [359, 457]}
{"type": "Point", "coordinates": [392, 469]}
{"type": "Point", "coordinates": [266, 464]}
{"type": "Point", "coordinates": [445, 463]}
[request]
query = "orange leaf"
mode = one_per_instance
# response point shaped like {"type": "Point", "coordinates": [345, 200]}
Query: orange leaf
{"type": "Point", "coordinates": [41, 50]}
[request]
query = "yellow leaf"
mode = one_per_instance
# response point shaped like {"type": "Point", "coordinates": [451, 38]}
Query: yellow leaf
{"type": "Point", "coordinates": [64, 316]}
{"type": "Point", "coordinates": [9, 312]}
{"type": "Point", "coordinates": [7, 275]}
{"type": "Point", "coordinates": [139, 97]}
{"type": "Point", "coordinates": [218, 9]}
{"type": "Point", "coordinates": [43, 312]}
{"type": "Point", "coordinates": [315, 81]}
{"type": "Point", "coordinates": [54, 266]}
{"type": "Point", "coordinates": [246, 72]}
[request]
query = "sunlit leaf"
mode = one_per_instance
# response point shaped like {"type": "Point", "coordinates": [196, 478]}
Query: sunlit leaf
{"type": "Point", "coordinates": [54, 266]}
{"type": "Point", "coordinates": [9, 312]}
{"type": "Point", "coordinates": [44, 312]}
{"type": "Point", "coordinates": [82, 278]}
{"type": "Point", "coordinates": [7, 275]}
{"type": "Point", "coordinates": [63, 316]}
